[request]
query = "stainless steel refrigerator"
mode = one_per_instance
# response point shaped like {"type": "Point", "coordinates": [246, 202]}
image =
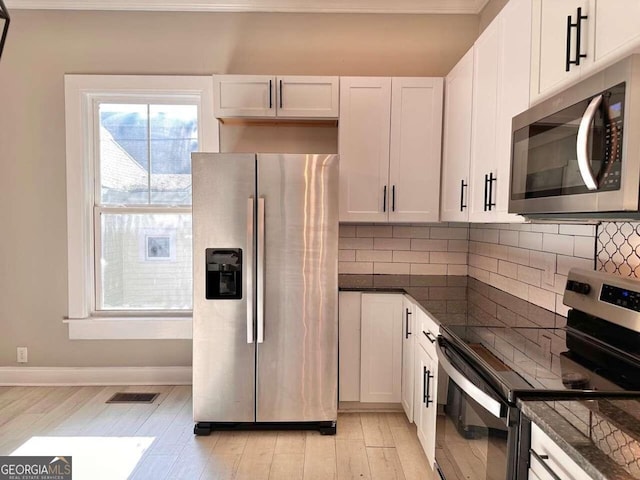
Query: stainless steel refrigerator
{"type": "Point", "coordinates": [265, 309]}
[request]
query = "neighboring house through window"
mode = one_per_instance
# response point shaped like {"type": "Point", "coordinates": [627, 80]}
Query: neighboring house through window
{"type": "Point", "coordinates": [129, 144]}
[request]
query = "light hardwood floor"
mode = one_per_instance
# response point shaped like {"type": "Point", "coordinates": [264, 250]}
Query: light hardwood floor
{"type": "Point", "coordinates": [109, 441]}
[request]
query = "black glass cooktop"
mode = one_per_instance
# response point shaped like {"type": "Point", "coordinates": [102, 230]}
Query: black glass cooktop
{"type": "Point", "coordinates": [523, 362]}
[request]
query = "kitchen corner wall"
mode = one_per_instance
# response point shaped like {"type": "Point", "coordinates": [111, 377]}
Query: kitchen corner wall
{"type": "Point", "coordinates": [425, 249]}
{"type": "Point", "coordinates": [531, 261]}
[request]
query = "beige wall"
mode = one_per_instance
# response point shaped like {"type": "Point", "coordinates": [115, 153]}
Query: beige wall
{"type": "Point", "coordinates": [489, 12]}
{"type": "Point", "coordinates": [43, 46]}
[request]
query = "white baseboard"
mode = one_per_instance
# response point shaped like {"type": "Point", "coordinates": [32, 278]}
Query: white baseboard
{"type": "Point", "coordinates": [69, 376]}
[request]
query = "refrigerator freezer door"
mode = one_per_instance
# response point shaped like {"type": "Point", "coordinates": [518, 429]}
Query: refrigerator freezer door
{"type": "Point", "coordinates": [297, 364]}
{"type": "Point", "coordinates": [223, 358]}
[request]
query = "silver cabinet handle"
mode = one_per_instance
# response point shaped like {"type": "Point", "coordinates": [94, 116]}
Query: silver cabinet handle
{"type": "Point", "coordinates": [260, 269]}
{"type": "Point", "coordinates": [249, 269]}
{"type": "Point", "coordinates": [582, 144]}
{"type": "Point", "coordinates": [489, 404]}
{"type": "Point", "coordinates": [542, 459]}
{"type": "Point", "coordinates": [429, 336]}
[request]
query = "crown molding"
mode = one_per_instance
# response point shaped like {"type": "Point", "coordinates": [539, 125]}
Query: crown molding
{"type": "Point", "coordinates": [472, 7]}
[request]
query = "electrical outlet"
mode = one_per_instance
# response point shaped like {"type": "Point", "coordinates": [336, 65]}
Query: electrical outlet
{"type": "Point", "coordinates": [22, 355]}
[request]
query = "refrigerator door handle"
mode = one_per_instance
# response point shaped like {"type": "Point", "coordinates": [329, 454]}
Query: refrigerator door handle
{"type": "Point", "coordinates": [260, 279]}
{"type": "Point", "coordinates": [249, 270]}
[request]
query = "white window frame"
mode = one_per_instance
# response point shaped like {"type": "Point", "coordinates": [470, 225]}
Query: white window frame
{"type": "Point", "coordinates": [81, 94]}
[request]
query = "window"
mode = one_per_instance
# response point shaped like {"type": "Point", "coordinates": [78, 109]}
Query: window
{"type": "Point", "coordinates": [129, 144]}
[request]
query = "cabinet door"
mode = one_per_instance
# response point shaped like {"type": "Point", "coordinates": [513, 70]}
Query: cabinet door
{"type": "Point", "coordinates": [549, 52]}
{"type": "Point", "coordinates": [244, 96]}
{"type": "Point", "coordinates": [483, 136]}
{"type": "Point", "coordinates": [381, 348]}
{"type": "Point", "coordinates": [363, 144]}
{"type": "Point", "coordinates": [513, 94]}
{"type": "Point", "coordinates": [617, 29]}
{"type": "Point", "coordinates": [426, 403]}
{"type": "Point", "coordinates": [456, 146]}
{"type": "Point", "coordinates": [408, 361]}
{"type": "Point", "coordinates": [349, 304]}
{"type": "Point", "coordinates": [416, 139]}
{"type": "Point", "coordinates": [307, 97]}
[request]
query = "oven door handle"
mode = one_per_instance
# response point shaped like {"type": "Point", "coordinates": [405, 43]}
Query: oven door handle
{"type": "Point", "coordinates": [582, 142]}
{"type": "Point", "coordinates": [489, 404]}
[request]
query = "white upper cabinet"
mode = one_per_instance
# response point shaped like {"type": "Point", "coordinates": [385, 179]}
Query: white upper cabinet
{"type": "Point", "coordinates": [416, 141]}
{"type": "Point", "coordinates": [608, 31]}
{"type": "Point", "coordinates": [484, 114]}
{"type": "Point", "coordinates": [617, 28]}
{"type": "Point", "coordinates": [389, 145]}
{"type": "Point", "coordinates": [263, 96]}
{"type": "Point", "coordinates": [244, 96]}
{"type": "Point", "coordinates": [555, 42]}
{"type": "Point", "coordinates": [456, 154]}
{"type": "Point", "coordinates": [501, 75]}
{"type": "Point", "coordinates": [363, 144]}
{"type": "Point", "coordinates": [308, 97]}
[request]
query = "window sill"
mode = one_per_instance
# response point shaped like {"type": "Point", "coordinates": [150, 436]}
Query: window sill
{"type": "Point", "coordinates": [130, 328]}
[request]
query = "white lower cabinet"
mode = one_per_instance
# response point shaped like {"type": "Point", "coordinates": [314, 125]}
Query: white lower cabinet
{"type": "Point", "coordinates": [349, 306]}
{"type": "Point", "coordinates": [381, 348]}
{"type": "Point", "coordinates": [426, 381]}
{"type": "Point", "coordinates": [408, 348]}
{"type": "Point", "coordinates": [549, 462]}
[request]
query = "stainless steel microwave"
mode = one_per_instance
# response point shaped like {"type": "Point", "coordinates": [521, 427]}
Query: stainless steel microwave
{"type": "Point", "coordinates": [577, 154]}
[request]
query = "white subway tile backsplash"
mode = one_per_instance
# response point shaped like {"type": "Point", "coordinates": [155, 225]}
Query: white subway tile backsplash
{"type": "Point", "coordinates": [557, 243]}
{"type": "Point", "coordinates": [485, 263]}
{"type": "Point", "coordinates": [565, 263]}
{"type": "Point", "coordinates": [544, 228]}
{"type": "Point", "coordinates": [449, 233]}
{"type": "Point", "coordinates": [530, 240]}
{"type": "Point", "coordinates": [373, 256]}
{"type": "Point", "coordinates": [458, 246]}
{"type": "Point", "coordinates": [543, 298]}
{"type": "Point", "coordinates": [347, 231]}
{"type": "Point", "coordinates": [346, 243]}
{"type": "Point", "coordinates": [457, 269]}
{"type": "Point", "coordinates": [584, 247]}
{"type": "Point", "coordinates": [529, 275]}
{"type": "Point", "coordinates": [509, 237]}
{"type": "Point", "coordinates": [518, 255]}
{"type": "Point", "coordinates": [411, 257]}
{"type": "Point", "coordinates": [429, 245]}
{"type": "Point", "coordinates": [391, 268]}
{"type": "Point", "coordinates": [508, 269]}
{"type": "Point", "coordinates": [580, 230]}
{"type": "Point", "coordinates": [561, 308]}
{"type": "Point", "coordinates": [355, 267]}
{"type": "Point", "coordinates": [374, 231]}
{"type": "Point", "coordinates": [546, 262]}
{"type": "Point", "coordinates": [392, 244]}
{"type": "Point", "coordinates": [479, 274]}
{"type": "Point", "coordinates": [411, 232]}
{"type": "Point", "coordinates": [427, 269]}
{"type": "Point", "coordinates": [453, 258]}
{"type": "Point", "coordinates": [346, 255]}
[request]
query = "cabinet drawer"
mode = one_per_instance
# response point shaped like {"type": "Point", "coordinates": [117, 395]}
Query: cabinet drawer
{"type": "Point", "coordinates": [556, 460]}
{"type": "Point", "coordinates": [427, 329]}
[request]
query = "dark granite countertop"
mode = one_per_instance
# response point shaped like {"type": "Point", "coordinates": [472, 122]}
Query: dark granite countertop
{"type": "Point", "coordinates": [602, 436]}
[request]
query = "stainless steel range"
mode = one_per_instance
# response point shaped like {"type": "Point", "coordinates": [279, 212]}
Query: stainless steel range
{"type": "Point", "coordinates": [487, 367]}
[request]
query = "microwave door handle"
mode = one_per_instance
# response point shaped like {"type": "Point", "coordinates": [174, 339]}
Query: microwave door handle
{"type": "Point", "coordinates": [485, 401]}
{"type": "Point", "coordinates": [582, 142]}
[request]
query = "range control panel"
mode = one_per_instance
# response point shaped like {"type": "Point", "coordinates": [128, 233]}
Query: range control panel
{"type": "Point", "coordinates": [621, 297]}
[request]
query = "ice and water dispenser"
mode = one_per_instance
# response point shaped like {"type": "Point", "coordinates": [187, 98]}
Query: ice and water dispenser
{"type": "Point", "coordinates": [224, 273]}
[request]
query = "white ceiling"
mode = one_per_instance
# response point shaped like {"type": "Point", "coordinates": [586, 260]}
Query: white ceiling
{"type": "Point", "coordinates": [302, 6]}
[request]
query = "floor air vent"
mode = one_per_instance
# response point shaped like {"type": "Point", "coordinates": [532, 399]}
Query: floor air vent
{"type": "Point", "coordinates": [122, 397]}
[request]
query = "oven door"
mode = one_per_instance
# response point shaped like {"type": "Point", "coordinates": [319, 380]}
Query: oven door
{"type": "Point", "coordinates": [561, 160]}
{"type": "Point", "coordinates": [476, 430]}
